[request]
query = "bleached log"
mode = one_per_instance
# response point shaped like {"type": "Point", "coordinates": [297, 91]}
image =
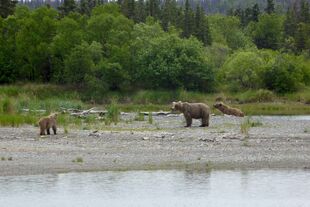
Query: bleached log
{"type": "Point", "coordinates": [34, 110]}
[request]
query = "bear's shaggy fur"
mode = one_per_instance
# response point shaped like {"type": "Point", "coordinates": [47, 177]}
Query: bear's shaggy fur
{"type": "Point", "coordinates": [193, 111]}
{"type": "Point", "coordinates": [48, 122]}
{"type": "Point", "coordinates": [225, 109]}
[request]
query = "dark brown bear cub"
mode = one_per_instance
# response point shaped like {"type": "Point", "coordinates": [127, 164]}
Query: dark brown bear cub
{"type": "Point", "coordinates": [225, 109]}
{"type": "Point", "coordinates": [48, 122]}
{"type": "Point", "coordinates": [193, 111]}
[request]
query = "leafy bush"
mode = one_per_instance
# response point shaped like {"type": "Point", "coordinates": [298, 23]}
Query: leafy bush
{"type": "Point", "coordinates": [284, 75]}
{"type": "Point", "coordinates": [242, 71]}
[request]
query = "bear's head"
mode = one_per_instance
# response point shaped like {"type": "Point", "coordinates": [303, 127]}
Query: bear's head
{"type": "Point", "coordinates": [177, 106]}
{"type": "Point", "coordinates": [218, 105]}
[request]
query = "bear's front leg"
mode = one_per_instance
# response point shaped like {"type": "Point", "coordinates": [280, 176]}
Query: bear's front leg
{"type": "Point", "coordinates": [48, 131]}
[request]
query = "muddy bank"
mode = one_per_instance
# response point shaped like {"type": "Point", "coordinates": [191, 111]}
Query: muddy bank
{"type": "Point", "coordinates": [279, 142]}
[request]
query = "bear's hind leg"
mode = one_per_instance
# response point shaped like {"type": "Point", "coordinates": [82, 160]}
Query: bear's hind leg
{"type": "Point", "coordinates": [42, 130]}
{"type": "Point", "coordinates": [54, 129]}
{"type": "Point", "coordinates": [188, 120]}
{"type": "Point", "coordinates": [48, 131]}
{"type": "Point", "coordinates": [205, 121]}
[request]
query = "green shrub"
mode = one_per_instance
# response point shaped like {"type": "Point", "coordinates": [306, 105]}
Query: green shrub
{"type": "Point", "coordinates": [7, 106]}
{"type": "Point", "coordinates": [242, 71]}
{"type": "Point", "coordinates": [284, 75]}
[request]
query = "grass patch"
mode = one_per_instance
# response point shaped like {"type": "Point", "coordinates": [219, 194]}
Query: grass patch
{"type": "Point", "coordinates": [139, 116]}
{"type": "Point", "coordinates": [15, 120]}
{"type": "Point", "coordinates": [150, 118]}
{"type": "Point", "coordinates": [78, 160]}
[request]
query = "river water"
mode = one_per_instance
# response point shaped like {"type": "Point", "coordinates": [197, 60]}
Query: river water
{"type": "Point", "coordinates": [283, 188]}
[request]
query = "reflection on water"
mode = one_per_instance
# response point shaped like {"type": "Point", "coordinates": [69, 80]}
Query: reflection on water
{"type": "Point", "coordinates": [159, 188]}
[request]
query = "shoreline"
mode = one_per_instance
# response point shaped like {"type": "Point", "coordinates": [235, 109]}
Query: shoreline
{"type": "Point", "coordinates": [280, 142]}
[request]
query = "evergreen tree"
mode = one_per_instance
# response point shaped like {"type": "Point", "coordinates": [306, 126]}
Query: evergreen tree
{"type": "Point", "coordinates": [247, 16]}
{"type": "Point", "coordinates": [270, 7]}
{"type": "Point", "coordinates": [290, 23]}
{"type": "Point", "coordinates": [140, 11]}
{"type": "Point", "coordinates": [128, 8]}
{"type": "Point", "coordinates": [255, 13]}
{"type": "Point", "coordinates": [86, 6]}
{"type": "Point", "coordinates": [169, 14]}
{"type": "Point", "coordinates": [153, 8]}
{"type": "Point", "coordinates": [7, 7]}
{"type": "Point", "coordinates": [188, 20]}
{"type": "Point", "coordinates": [202, 30]}
{"type": "Point", "coordinates": [304, 12]}
{"type": "Point", "coordinates": [67, 7]}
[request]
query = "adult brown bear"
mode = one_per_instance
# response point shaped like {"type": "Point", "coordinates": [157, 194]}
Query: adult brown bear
{"type": "Point", "coordinates": [48, 122]}
{"type": "Point", "coordinates": [225, 109]}
{"type": "Point", "coordinates": [193, 111]}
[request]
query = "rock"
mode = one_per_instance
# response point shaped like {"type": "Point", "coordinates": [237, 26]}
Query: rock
{"type": "Point", "coordinates": [94, 134]}
{"type": "Point", "coordinates": [145, 138]}
{"type": "Point", "coordinates": [160, 136]}
{"type": "Point", "coordinates": [232, 136]}
{"type": "Point", "coordinates": [207, 139]}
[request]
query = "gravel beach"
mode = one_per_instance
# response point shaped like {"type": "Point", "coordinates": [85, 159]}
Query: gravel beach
{"type": "Point", "coordinates": [279, 142]}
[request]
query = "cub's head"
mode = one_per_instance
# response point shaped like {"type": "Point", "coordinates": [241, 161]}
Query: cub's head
{"type": "Point", "coordinates": [218, 105]}
{"type": "Point", "coordinates": [53, 115]}
{"type": "Point", "coordinates": [177, 106]}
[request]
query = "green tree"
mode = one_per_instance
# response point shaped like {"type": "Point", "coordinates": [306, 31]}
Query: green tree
{"type": "Point", "coordinates": [81, 63]}
{"type": "Point", "coordinates": [164, 60]}
{"type": "Point", "coordinates": [69, 33]}
{"type": "Point", "coordinates": [32, 42]}
{"type": "Point", "coordinates": [7, 7]}
{"type": "Point", "coordinates": [268, 31]}
{"type": "Point", "coordinates": [227, 30]}
{"type": "Point", "coordinates": [113, 31]}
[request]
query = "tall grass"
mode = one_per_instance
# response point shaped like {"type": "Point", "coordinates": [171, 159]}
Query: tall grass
{"type": "Point", "coordinates": [113, 113]}
{"type": "Point", "coordinates": [16, 120]}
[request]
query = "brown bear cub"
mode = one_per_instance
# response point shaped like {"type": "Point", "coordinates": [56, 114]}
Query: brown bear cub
{"type": "Point", "coordinates": [48, 122]}
{"type": "Point", "coordinates": [193, 111]}
{"type": "Point", "coordinates": [225, 109]}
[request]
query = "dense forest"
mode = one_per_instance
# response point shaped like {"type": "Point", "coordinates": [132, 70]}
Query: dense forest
{"type": "Point", "coordinates": [209, 6]}
{"type": "Point", "coordinates": [127, 45]}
